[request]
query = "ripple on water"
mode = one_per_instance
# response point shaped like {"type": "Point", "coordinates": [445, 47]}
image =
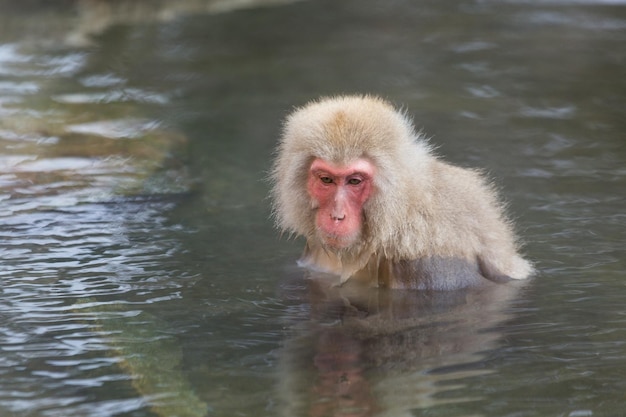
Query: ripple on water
{"type": "Point", "coordinates": [71, 247]}
{"type": "Point", "coordinates": [66, 274]}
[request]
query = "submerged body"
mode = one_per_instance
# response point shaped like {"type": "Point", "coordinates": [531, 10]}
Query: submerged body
{"type": "Point", "coordinates": [375, 205]}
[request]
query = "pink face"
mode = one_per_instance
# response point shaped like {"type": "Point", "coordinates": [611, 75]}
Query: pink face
{"type": "Point", "coordinates": [339, 193]}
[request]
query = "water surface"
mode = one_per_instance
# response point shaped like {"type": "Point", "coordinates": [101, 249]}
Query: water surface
{"type": "Point", "coordinates": [140, 273]}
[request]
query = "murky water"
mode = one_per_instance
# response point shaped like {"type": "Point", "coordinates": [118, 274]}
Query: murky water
{"type": "Point", "coordinates": [140, 275]}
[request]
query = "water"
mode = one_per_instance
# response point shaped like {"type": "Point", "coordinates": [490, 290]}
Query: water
{"type": "Point", "coordinates": [141, 276]}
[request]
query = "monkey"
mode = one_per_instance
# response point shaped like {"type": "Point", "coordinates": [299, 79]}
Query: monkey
{"type": "Point", "coordinates": [376, 206]}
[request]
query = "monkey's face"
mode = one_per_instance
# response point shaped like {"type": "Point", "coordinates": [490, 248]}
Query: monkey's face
{"type": "Point", "coordinates": [338, 194]}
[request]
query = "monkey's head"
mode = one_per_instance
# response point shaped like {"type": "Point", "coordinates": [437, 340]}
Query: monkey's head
{"type": "Point", "coordinates": [341, 171]}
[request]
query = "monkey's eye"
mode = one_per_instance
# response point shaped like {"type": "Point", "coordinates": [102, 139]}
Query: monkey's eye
{"type": "Point", "coordinates": [326, 180]}
{"type": "Point", "coordinates": [354, 181]}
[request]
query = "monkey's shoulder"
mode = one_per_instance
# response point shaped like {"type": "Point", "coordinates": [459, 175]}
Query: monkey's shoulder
{"type": "Point", "coordinates": [457, 180]}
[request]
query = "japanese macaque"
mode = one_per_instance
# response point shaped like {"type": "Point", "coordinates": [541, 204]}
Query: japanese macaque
{"type": "Point", "coordinates": [375, 205]}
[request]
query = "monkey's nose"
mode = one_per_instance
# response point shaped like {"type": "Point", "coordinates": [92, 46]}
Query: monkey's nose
{"type": "Point", "coordinates": [337, 217]}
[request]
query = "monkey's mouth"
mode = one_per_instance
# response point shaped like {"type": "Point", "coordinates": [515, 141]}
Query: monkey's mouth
{"type": "Point", "coordinates": [338, 241]}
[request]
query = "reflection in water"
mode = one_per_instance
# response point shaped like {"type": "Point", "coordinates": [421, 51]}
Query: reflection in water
{"type": "Point", "coordinates": [366, 352]}
{"type": "Point", "coordinates": [58, 152]}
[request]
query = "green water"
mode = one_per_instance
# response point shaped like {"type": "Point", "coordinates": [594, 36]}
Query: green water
{"type": "Point", "coordinates": [140, 274]}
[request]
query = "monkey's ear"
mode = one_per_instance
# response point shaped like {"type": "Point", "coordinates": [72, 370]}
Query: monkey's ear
{"type": "Point", "coordinates": [489, 271]}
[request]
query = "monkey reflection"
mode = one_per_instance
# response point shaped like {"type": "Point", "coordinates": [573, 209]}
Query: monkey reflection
{"type": "Point", "coordinates": [363, 351]}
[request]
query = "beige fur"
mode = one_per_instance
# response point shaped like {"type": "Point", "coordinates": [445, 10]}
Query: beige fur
{"type": "Point", "coordinates": [428, 224]}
